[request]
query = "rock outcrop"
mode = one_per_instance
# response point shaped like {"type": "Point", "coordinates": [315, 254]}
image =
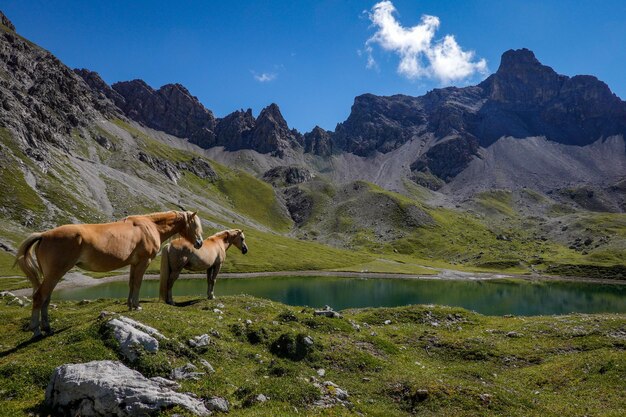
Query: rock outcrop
{"type": "Point", "coordinates": [318, 141]}
{"type": "Point", "coordinates": [171, 109]}
{"type": "Point", "coordinates": [107, 388]}
{"type": "Point", "coordinates": [132, 335]}
{"type": "Point", "coordinates": [172, 170]}
{"type": "Point", "coordinates": [6, 22]}
{"type": "Point", "coordinates": [268, 133]}
{"type": "Point", "coordinates": [42, 100]}
{"type": "Point", "coordinates": [282, 176]}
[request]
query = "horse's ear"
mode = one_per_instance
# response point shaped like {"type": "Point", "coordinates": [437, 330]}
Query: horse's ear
{"type": "Point", "coordinates": [194, 214]}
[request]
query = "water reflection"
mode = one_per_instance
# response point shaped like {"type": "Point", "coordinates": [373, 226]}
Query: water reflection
{"type": "Point", "coordinates": [487, 297]}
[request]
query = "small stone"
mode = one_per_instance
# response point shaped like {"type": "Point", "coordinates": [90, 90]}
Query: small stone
{"type": "Point", "coordinates": [220, 305]}
{"type": "Point", "coordinates": [217, 404]}
{"type": "Point", "coordinates": [16, 301]}
{"type": "Point", "coordinates": [248, 321]}
{"type": "Point", "coordinates": [200, 341]}
{"type": "Point", "coordinates": [261, 398]}
{"type": "Point", "coordinates": [514, 334]}
{"type": "Point", "coordinates": [341, 394]}
{"type": "Point", "coordinates": [387, 322]}
{"type": "Point", "coordinates": [207, 365]}
{"type": "Point", "coordinates": [321, 372]}
{"type": "Point", "coordinates": [186, 372]}
{"type": "Point", "coordinates": [486, 398]}
{"type": "Point", "coordinates": [84, 302]}
{"type": "Point", "coordinates": [308, 341]}
{"type": "Point", "coordinates": [217, 311]}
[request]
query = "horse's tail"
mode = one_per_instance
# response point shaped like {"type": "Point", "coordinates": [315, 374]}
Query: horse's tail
{"type": "Point", "coordinates": [27, 262]}
{"type": "Point", "coordinates": [165, 272]}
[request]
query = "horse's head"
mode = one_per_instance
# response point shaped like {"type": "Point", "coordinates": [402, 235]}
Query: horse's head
{"type": "Point", "coordinates": [237, 238]}
{"type": "Point", "coordinates": [193, 229]}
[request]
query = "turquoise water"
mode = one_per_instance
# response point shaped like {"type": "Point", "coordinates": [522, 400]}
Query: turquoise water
{"type": "Point", "coordinates": [486, 297]}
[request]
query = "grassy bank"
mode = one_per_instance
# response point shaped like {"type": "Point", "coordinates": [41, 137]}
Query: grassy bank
{"type": "Point", "coordinates": [427, 360]}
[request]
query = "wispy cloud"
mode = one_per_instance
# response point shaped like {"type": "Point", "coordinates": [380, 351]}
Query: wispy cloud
{"type": "Point", "coordinates": [421, 55]}
{"type": "Point", "coordinates": [264, 77]}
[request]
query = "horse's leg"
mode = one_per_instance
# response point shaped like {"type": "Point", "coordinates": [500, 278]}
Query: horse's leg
{"type": "Point", "coordinates": [45, 319]}
{"type": "Point", "coordinates": [41, 300]}
{"type": "Point", "coordinates": [174, 274]}
{"type": "Point", "coordinates": [211, 276]}
{"type": "Point", "coordinates": [136, 276]}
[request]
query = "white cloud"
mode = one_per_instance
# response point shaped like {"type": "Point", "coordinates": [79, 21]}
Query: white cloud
{"type": "Point", "coordinates": [264, 77]}
{"type": "Point", "coordinates": [421, 55]}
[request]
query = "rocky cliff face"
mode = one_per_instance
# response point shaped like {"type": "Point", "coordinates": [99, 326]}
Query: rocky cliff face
{"type": "Point", "coordinates": [42, 99]}
{"type": "Point", "coordinates": [525, 98]}
{"type": "Point", "coordinates": [171, 109]}
{"type": "Point", "coordinates": [522, 99]}
{"type": "Point", "coordinates": [268, 133]}
{"type": "Point", "coordinates": [318, 142]}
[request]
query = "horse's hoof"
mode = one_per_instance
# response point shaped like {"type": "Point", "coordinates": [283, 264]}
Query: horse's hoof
{"type": "Point", "coordinates": [48, 330]}
{"type": "Point", "coordinates": [36, 336]}
{"type": "Point", "coordinates": [138, 308]}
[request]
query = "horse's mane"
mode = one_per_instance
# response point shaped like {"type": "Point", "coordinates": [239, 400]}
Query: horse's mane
{"type": "Point", "coordinates": [222, 234]}
{"type": "Point", "coordinates": [155, 217]}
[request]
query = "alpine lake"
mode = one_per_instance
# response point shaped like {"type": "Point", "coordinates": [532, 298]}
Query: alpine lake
{"type": "Point", "coordinates": [491, 297]}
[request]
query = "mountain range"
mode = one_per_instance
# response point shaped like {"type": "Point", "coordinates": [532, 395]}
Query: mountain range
{"type": "Point", "coordinates": [528, 154]}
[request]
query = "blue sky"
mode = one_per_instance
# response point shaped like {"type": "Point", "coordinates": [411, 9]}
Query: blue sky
{"type": "Point", "coordinates": [311, 57]}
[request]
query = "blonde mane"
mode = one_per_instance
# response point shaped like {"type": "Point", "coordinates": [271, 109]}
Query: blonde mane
{"type": "Point", "coordinates": [223, 234]}
{"type": "Point", "coordinates": [157, 217]}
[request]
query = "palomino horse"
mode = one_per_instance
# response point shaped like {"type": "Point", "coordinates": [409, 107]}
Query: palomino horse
{"type": "Point", "coordinates": [179, 255]}
{"type": "Point", "coordinates": [134, 241]}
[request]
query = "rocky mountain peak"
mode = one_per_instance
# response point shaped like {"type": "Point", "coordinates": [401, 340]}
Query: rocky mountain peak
{"type": "Point", "coordinates": [521, 78]}
{"type": "Point", "coordinates": [6, 22]}
{"type": "Point", "coordinates": [272, 134]}
{"type": "Point", "coordinates": [99, 86]}
{"type": "Point", "coordinates": [518, 60]}
{"type": "Point", "coordinates": [318, 141]}
{"type": "Point", "coordinates": [272, 114]}
{"type": "Point", "coordinates": [171, 109]}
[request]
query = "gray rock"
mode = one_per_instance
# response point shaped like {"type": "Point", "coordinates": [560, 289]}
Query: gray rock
{"type": "Point", "coordinates": [308, 341]}
{"type": "Point", "coordinates": [186, 372]}
{"type": "Point", "coordinates": [327, 311]}
{"type": "Point", "coordinates": [131, 334]}
{"type": "Point", "coordinates": [261, 398]}
{"type": "Point", "coordinates": [217, 404]}
{"type": "Point", "coordinates": [108, 388]}
{"type": "Point", "coordinates": [200, 341]}
{"type": "Point", "coordinates": [207, 365]}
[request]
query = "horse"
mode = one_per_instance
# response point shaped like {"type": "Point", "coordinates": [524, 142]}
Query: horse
{"type": "Point", "coordinates": [134, 241]}
{"type": "Point", "coordinates": [179, 255]}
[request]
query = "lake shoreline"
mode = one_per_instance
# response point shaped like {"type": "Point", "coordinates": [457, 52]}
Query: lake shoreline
{"type": "Point", "coordinates": [78, 280]}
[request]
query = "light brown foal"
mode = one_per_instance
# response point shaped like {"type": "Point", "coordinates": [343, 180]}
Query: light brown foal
{"type": "Point", "coordinates": [134, 241]}
{"type": "Point", "coordinates": [179, 255]}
